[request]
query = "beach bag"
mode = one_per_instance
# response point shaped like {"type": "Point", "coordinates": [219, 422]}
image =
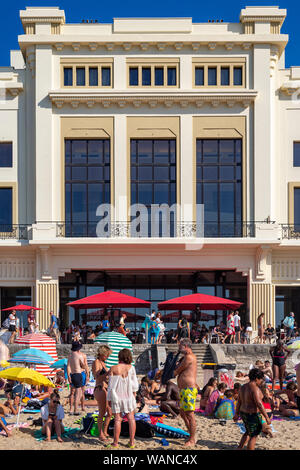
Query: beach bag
{"type": "Point", "coordinates": [5, 324]}
{"type": "Point", "coordinates": [88, 423]}
{"type": "Point", "coordinates": [170, 366]}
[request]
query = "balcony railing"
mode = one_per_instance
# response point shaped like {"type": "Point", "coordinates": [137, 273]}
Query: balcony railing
{"type": "Point", "coordinates": [290, 232]}
{"type": "Point", "coordinates": [14, 232]}
{"type": "Point", "coordinates": [173, 230]}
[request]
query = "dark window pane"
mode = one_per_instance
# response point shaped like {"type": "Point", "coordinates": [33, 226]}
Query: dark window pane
{"type": "Point", "coordinates": [79, 173]}
{"type": "Point", "coordinates": [68, 76]}
{"type": "Point", "coordinates": [210, 151]}
{"type": "Point", "coordinates": [225, 76]}
{"type": "Point", "coordinates": [68, 203]}
{"type": "Point", "coordinates": [95, 173]}
{"type": "Point", "coordinates": [227, 173]}
{"type": "Point", "coordinates": [145, 151]}
{"type": "Point", "coordinates": [107, 151]}
{"type": "Point", "coordinates": [199, 173]}
{"type": "Point", "coordinates": [238, 76]}
{"type": "Point", "coordinates": [161, 173]}
{"type": "Point", "coordinates": [95, 152]}
{"type": "Point", "coordinates": [226, 151]}
{"type": "Point", "coordinates": [146, 76]}
{"type": "Point", "coordinates": [145, 193]}
{"type": "Point", "coordinates": [93, 76]}
{"type": "Point", "coordinates": [173, 173]}
{"type": "Point", "coordinates": [210, 201]}
{"type": "Point", "coordinates": [133, 151]}
{"type": "Point", "coordinates": [161, 193]}
{"type": "Point", "coordinates": [5, 154]}
{"type": "Point", "coordinates": [212, 76]}
{"type": "Point", "coordinates": [297, 208]}
{"type": "Point", "coordinates": [5, 209]}
{"type": "Point", "coordinates": [80, 76]}
{"type": "Point", "coordinates": [199, 150]}
{"type": "Point", "coordinates": [105, 74]}
{"type": "Point", "coordinates": [238, 151]}
{"type": "Point", "coordinates": [172, 80]}
{"type": "Point", "coordinates": [67, 173]}
{"type": "Point", "coordinates": [106, 173]}
{"type": "Point", "coordinates": [210, 173]}
{"type": "Point", "coordinates": [79, 202]}
{"type": "Point", "coordinates": [159, 76]}
{"type": "Point", "coordinates": [145, 173]}
{"type": "Point", "coordinates": [173, 151]}
{"type": "Point", "coordinates": [68, 152]}
{"type": "Point", "coordinates": [199, 76]}
{"type": "Point", "coordinates": [133, 76]}
{"type": "Point", "coordinates": [95, 198]}
{"type": "Point", "coordinates": [161, 151]}
{"type": "Point", "coordinates": [296, 154]}
{"type": "Point", "coordinates": [79, 151]}
{"type": "Point", "coordinates": [227, 202]}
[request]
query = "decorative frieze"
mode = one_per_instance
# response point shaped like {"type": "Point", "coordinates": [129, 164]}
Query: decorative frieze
{"type": "Point", "coordinates": [17, 269]}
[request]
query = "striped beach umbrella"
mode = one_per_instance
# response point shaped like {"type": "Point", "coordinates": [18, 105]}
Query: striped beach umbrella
{"type": "Point", "coordinates": [44, 343]}
{"type": "Point", "coordinates": [116, 342]}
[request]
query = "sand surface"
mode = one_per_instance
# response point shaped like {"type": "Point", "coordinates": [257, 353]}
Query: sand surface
{"type": "Point", "coordinates": [210, 436]}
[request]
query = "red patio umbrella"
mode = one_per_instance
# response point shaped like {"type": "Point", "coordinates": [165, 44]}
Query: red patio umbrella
{"type": "Point", "coordinates": [109, 299]}
{"type": "Point", "coordinates": [21, 308]}
{"type": "Point", "coordinates": [199, 301]}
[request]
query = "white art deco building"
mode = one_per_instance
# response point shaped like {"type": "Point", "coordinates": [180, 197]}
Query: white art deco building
{"type": "Point", "coordinates": [150, 111]}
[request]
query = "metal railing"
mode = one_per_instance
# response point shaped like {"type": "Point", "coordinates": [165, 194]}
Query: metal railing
{"type": "Point", "coordinates": [290, 232]}
{"type": "Point", "coordinates": [14, 232]}
{"type": "Point", "coordinates": [173, 230]}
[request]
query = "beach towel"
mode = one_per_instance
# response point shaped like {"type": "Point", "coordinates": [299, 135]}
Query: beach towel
{"type": "Point", "coordinates": [69, 432]}
{"type": "Point", "coordinates": [295, 418]}
{"type": "Point", "coordinates": [10, 427]}
{"type": "Point", "coordinates": [225, 409]}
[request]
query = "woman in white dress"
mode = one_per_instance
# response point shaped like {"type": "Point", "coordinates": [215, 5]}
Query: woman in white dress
{"type": "Point", "coordinates": [122, 388]}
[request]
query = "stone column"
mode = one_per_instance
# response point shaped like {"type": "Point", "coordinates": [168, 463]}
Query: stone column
{"type": "Point", "coordinates": [262, 300]}
{"type": "Point", "coordinates": [47, 298]}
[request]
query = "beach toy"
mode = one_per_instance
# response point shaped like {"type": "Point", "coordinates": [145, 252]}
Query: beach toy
{"type": "Point", "coordinates": [164, 442]}
{"type": "Point", "coordinates": [165, 430]}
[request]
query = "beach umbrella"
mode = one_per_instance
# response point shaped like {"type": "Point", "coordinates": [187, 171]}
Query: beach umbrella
{"type": "Point", "coordinates": [32, 356]}
{"type": "Point", "coordinates": [59, 364]}
{"type": "Point", "coordinates": [109, 299]}
{"type": "Point", "coordinates": [199, 301]}
{"type": "Point", "coordinates": [25, 376]}
{"type": "Point", "coordinates": [294, 345]}
{"type": "Point", "coordinates": [116, 342]}
{"type": "Point", "coordinates": [43, 343]}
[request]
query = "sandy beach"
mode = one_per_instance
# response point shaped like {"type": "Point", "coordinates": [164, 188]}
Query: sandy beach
{"type": "Point", "coordinates": [210, 436]}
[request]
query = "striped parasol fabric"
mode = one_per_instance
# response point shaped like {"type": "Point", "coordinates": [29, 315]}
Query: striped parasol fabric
{"type": "Point", "coordinates": [116, 342]}
{"type": "Point", "coordinates": [44, 343]}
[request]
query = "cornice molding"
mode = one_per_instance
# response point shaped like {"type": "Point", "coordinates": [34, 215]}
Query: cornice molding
{"type": "Point", "coordinates": [153, 100]}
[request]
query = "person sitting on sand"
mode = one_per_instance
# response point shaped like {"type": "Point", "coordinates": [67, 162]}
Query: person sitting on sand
{"type": "Point", "coordinates": [225, 406]}
{"type": "Point", "coordinates": [213, 399]}
{"type": "Point", "coordinates": [267, 400]}
{"type": "Point", "coordinates": [60, 378]}
{"type": "Point", "coordinates": [52, 415]}
{"type": "Point", "coordinates": [241, 377]}
{"type": "Point", "coordinates": [169, 401]}
{"type": "Point", "coordinates": [290, 407]}
{"type": "Point", "coordinates": [207, 390]}
{"type": "Point", "coordinates": [10, 407]}
{"type": "Point", "coordinates": [143, 396]}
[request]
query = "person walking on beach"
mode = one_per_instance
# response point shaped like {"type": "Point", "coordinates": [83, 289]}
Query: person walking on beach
{"type": "Point", "coordinates": [289, 324]}
{"type": "Point", "coordinates": [12, 326]}
{"type": "Point", "coordinates": [53, 330]}
{"type": "Point", "coordinates": [251, 409]}
{"type": "Point", "coordinates": [279, 354]}
{"type": "Point", "coordinates": [237, 327]}
{"type": "Point", "coordinates": [230, 330]}
{"type": "Point", "coordinates": [186, 374]}
{"type": "Point", "coordinates": [77, 363]}
{"type": "Point", "coordinates": [261, 328]}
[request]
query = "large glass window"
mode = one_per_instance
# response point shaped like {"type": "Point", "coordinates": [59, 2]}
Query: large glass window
{"type": "Point", "coordinates": [87, 184]}
{"type": "Point", "coordinates": [153, 177]}
{"type": "Point", "coordinates": [296, 154]}
{"type": "Point", "coordinates": [5, 154]}
{"type": "Point", "coordinates": [68, 76]}
{"type": "Point", "coordinates": [297, 209]}
{"type": "Point", "coordinates": [6, 209]}
{"type": "Point", "coordinates": [219, 186]}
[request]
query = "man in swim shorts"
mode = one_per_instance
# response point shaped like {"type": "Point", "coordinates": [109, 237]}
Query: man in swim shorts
{"type": "Point", "coordinates": [77, 363]}
{"type": "Point", "coordinates": [186, 373]}
{"type": "Point", "coordinates": [251, 409]}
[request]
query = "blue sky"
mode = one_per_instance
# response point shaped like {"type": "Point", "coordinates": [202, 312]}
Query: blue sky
{"type": "Point", "coordinates": [75, 10]}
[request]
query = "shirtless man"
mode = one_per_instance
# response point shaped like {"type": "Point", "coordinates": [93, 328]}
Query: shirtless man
{"type": "Point", "coordinates": [186, 374]}
{"type": "Point", "coordinates": [251, 409]}
{"type": "Point", "coordinates": [77, 363]}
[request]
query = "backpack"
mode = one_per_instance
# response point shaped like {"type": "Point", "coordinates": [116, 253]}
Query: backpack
{"type": "Point", "coordinates": [288, 322]}
{"type": "Point", "coordinates": [170, 366]}
{"type": "Point", "coordinates": [5, 324]}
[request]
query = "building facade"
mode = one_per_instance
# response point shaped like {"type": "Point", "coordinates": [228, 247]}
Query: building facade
{"type": "Point", "coordinates": [151, 112]}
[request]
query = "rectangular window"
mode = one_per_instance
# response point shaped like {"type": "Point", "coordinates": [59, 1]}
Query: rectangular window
{"type": "Point", "coordinates": [212, 76]}
{"type": "Point", "coordinates": [159, 76]}
{"type": "Point", "coordinates": [80, 76]}
{"type": "Point", "coordinates": [225, 76]}
{"type": "Point", "coordinates": [296, 154]}
{"type": "Point", "coordinates": [6, 209]}
{"type": "Point", "coordinates": [106, 76]}
{"type": "Point", "coordinates": [93, 76]}
{"type": "Point", "coordinates": [297, 209]}
{"type": "Point", "coordinates": [68, 76]}
{"type": "Point", "coordinates": [219, 186]}
{"type": "Point", "coordinates": [199, 76]}
{"type": "Point", "coordinates": [153, 181]}
{"type": "Point", "coordinates": [146, 76]}
{"type": "Point", "coordinates": [87, 184]}
{"type": "Point", "coordinates": [238, 76]}
{"type": "Point", "coordinates": [172, 79]}
{"type": "Point", "coordinates": [5, 154]}
{"type": "Point", "coordinates": [133, 76]}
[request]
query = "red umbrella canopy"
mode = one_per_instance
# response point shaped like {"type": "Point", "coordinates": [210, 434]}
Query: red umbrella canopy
{"type": "Point", "coordinates": [21, 308]}
{"type": "Point", "coordinates": [99, 314]}
{"type": "Point", "coordinates": [203, 301]}
{"type": "Point", "coordinates": [109, 299]}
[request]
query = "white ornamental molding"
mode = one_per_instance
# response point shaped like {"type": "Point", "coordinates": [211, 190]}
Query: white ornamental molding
{"type": "Point", "coordinates": [168, 99]}
{"type": "Point", "coordinates": [262, 258]}
{"type": "Point", "coordinates": [17, 269]}
{"type": "Point", "coordinates": [286, 270]}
